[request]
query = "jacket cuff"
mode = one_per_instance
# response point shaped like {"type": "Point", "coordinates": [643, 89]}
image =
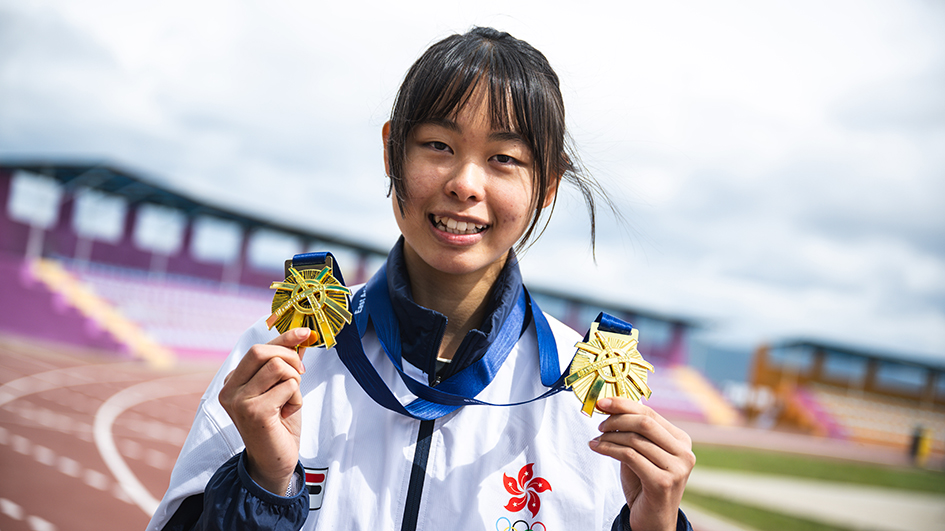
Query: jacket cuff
{"type": "Point", "coordinates": [232, 500]}
{"type": "Point", "coordinates": [264, 495]}
{"type": "Point", "coordinates": [622, 522]}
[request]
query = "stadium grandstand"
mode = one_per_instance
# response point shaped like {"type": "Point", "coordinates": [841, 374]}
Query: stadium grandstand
{"type": "Point", "coordinates": [99, 256]}
{"type": "Point", "coordinates": [850, 394]}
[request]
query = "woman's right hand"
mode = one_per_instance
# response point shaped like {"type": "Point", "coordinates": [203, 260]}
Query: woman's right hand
{"type": "Point", "coordinates": [262, 398]}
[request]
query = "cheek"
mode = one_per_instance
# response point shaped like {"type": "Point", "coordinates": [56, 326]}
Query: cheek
{"type": "Point", "coordinates": [419, 183]}
{"type": "Point", "coordinates": [513, 213]}
{"type": "Point", "coordinates": [515, 207]}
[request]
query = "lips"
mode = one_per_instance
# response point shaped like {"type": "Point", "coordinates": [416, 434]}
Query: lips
{"type": "Point", "coordinates": [453, 226]}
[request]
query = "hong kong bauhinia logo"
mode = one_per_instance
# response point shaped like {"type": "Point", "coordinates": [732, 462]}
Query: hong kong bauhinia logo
{"type": "Point", "coordinates": [525, 490]}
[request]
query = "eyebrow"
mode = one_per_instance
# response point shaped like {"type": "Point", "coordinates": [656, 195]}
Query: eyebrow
{"type": "Point", "coordinates": [497, 136]}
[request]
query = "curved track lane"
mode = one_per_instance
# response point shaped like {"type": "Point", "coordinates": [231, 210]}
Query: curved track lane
{"type": "Point", "coordinates": [87, 440]}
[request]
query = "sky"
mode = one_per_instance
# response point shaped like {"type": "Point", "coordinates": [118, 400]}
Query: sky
{"type": "Point", "coordinates": [778, 167]}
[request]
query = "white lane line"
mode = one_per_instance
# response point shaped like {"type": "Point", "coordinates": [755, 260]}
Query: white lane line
{"type": "Point", "coordinates": [120, 493]}
{"type": "Point", "coordinates": [11, 509]}
{"type": "Point", "coordinates": [95, 479]}
{"type": "Point", "coordinates": [44, 455]}
{"type": "Point", "coordinates": [157, 459]}
{"type": "Point", "coordinates": [14, 511]}
{"type": "Point", "coordinates": [131, 449]}
{"type": "Point", "coordinates": [157, 430]}
{"type": "Point", "coordinates": [48, 418]}
{"type": "Point", "coordinates": [20, 444]}
{"type": "Point", "coordinates": [38, 524]}
{"type": "Point", "coordinates": [123, 400]}
{"type": "Point", "coordinates": [69, 467]}
{"type": "Point", "coordinates": [67, 377]}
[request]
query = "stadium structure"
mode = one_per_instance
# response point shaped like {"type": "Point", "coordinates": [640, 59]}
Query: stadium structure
{"type": "Point", "coordinates": [852, 394]}
{"type": "Point", "coordinates": [99, 256]}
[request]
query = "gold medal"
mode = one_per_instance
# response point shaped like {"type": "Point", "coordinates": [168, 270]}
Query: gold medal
{"type": "Point", "coordinates": [313, 298]}
{"type": "Point", "coordinates": [608, 365]}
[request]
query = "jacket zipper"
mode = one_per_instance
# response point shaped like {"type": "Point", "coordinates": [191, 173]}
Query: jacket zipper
{"type": "Point", "coordinates": [418, 473]}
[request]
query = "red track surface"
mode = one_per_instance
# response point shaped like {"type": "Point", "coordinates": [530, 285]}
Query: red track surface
{"type": "Point", "coordinates": [52, 472]}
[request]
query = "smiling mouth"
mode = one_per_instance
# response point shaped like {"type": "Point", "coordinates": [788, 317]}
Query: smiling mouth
{"type": "Point", "coordinates": [456, 227]}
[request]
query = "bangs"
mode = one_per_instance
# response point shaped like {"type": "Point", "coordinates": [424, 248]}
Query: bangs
{"type": "Point", "coordinates": [503, 81]}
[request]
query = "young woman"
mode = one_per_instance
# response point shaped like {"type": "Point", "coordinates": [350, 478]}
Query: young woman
{"type": "Point", "coordinates": [475, 150]}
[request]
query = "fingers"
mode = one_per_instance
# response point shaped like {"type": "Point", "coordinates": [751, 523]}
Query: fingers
{"type": "Point", "coordinates": [282, 347]}
{"type": "Point", "coordinates": [257, 407]}
{"type": "Point", "coordinates": [629, 417]}
{"type": "Point", "coordinates": [643, 440]}
{"type": "Point", "coordinates": [272, 373]}
{"type": "Point", "coordinates": [263, 373]}
{"type": "Point", "coordinates": [617, 406]}
{"type": "Point", "coordinates": [292, 338]}
{"type": "Point", "coordinates": [293, 402]}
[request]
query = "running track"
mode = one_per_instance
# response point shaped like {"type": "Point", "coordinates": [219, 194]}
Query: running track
{"type": "Point", "coordinates": [87, 439]}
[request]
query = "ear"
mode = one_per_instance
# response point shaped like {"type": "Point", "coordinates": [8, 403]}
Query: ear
{"type": "Point", "coordinates": [385, 134]}
{"type": "Point", "coordinates": [551, 192]}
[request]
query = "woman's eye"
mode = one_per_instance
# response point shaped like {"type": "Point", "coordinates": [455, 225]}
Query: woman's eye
{"type": "Point", "coordinates": [504, 159]}
{"type": "Point", "coordinates": [439, 146]}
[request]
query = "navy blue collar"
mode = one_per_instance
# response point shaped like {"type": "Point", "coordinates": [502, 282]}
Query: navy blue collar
{"type": "Point", "coordinates": [421, 329]}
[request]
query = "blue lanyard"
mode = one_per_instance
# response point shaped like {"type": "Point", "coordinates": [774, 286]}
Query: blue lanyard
{"type": "Point", "coordinates": [372, 303]}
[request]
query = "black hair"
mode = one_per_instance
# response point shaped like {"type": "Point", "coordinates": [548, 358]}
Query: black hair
{"type": "Point", "coordinates": [524, 96]}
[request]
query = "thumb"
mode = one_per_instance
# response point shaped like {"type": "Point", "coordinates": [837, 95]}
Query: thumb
{"type": "Point", "coordinates": [294, 337]}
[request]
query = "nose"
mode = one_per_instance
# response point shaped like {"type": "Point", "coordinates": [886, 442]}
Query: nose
{"type": "Point", "coordinates": [467, 182]}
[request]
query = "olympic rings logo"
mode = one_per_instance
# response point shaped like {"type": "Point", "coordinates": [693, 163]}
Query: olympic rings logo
{"type": "Point", "coordinates": [508, 525]}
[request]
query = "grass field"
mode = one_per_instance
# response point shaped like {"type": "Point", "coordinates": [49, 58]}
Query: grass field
{"type": "Point", "coordinates": [755, 517]}
{"type": "Point", "coordinates": [819, 468]}
{"type": "Point", "coordinates": [776, 463]}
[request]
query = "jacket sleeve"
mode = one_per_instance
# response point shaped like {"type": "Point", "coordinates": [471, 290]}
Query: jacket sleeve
{"type": "Point", "coordinates": [682, 523]}
{"type": "Point", "coordinates": [232, 500]}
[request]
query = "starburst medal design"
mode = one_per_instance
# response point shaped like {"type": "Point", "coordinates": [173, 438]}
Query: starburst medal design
{"type": "Point", "coordinates": [608, 365]}
{"type": "Point", "coordinates": [313, 298]}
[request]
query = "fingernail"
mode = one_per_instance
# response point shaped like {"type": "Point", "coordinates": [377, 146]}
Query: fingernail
{"type": "Point", "coordinates": [604, 403]}
{"type": "Point", "coordinates": [303, 331]}
{"type": "Point", "coordinates": [594, 442]}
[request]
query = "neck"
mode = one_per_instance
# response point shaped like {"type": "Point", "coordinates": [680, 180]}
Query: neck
{"type": "Point", "coordinates": [463, 299]}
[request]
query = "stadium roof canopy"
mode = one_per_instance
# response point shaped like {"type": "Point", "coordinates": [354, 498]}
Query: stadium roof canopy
{"type": "Point", "coordinates": [833, 348]}
{"type": "Point", "coordinates": [134, 189]}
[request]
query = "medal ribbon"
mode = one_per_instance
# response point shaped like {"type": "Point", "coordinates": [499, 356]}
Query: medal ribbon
{"type": "Point", "coordinates": [373, 306]}
{"type": "Point", "coordinates": [372, 303]}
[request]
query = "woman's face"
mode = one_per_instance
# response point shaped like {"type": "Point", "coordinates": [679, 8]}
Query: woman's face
{"type": "Point", "coordinates": [468, 191]}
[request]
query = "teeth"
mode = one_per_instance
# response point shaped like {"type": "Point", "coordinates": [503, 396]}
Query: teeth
{"type": "Point", "coordinates": [452, 226]}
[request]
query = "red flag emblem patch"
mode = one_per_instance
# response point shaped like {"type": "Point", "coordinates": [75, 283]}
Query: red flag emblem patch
{"type": "Point", "coordinates": [315, 483]}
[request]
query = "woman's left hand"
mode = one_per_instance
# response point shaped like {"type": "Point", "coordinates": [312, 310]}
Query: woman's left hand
{"type": "Point", "coordinates": [656, 459]}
